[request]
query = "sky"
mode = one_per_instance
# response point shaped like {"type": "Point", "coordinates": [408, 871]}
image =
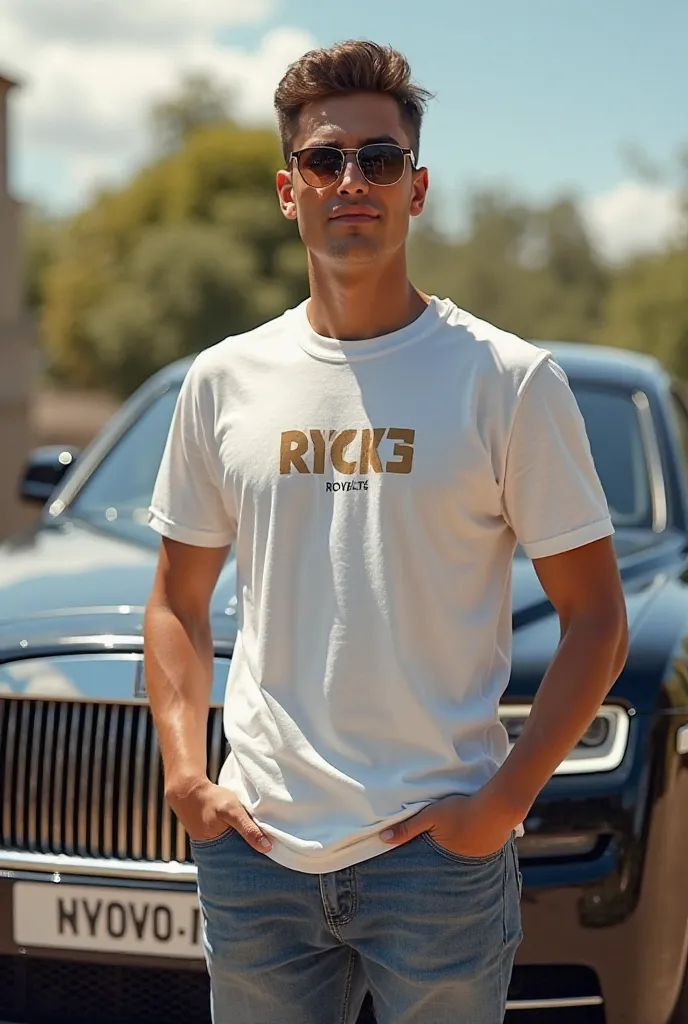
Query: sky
{"type": "Point", "coordinates": [542, 96]}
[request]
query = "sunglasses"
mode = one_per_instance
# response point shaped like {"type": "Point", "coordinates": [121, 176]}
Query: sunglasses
{"type": "Point", "coordinates": [380, 163]}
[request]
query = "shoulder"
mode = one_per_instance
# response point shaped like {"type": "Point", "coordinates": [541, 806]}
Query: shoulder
{"type": "Point", "coordinates": [224, 355]}
{"type": "Point", "coordinates": [497, 369]}
{"type": "Point", "coordinates": [498, 357]}
{"type": "Point", "coordinates": [216, 371]}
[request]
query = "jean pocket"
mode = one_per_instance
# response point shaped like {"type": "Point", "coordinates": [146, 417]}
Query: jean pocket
{"type": "Point", "coordinates": [205, 844]}
{"type": "Point", "coordinates": [459, 858]}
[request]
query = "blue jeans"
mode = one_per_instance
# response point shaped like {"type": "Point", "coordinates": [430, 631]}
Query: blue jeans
{"type": "Point", "coordinates": [432, 935]}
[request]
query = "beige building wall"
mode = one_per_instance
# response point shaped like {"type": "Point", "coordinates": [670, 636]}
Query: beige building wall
{"type": "Point", "coordinates": [17, 346]}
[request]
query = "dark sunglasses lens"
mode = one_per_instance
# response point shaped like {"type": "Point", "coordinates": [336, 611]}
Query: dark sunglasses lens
{"type": "Point", "coordinates": [382, 164]}
{"type": "Point", "coordinates": [320, 166]}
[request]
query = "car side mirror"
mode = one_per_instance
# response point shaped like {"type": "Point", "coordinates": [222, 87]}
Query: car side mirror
{"type": "Point", "coordinates": [44, 470]}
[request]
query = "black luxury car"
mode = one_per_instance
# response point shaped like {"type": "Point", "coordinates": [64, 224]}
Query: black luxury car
{"type": "Point", "coordinates": [98, 913]}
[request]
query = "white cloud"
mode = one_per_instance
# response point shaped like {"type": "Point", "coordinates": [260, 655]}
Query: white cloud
{"type": "Point", "coordinates": [91, 70]}
{"type": "Point", "coordinates": [633, 217]}
{"type": "Point", "coordinates": [151, 21]}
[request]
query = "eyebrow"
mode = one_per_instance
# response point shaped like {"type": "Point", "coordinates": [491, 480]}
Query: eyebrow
{"type": "Point", "coordinates": [336, 142]}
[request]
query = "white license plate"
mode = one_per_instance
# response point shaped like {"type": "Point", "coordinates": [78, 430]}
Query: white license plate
{"type": "Point", "coordinates": [147, 923]}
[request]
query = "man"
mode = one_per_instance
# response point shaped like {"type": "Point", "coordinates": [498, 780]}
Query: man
{"type": "Point", "coordinates": [373, 456]}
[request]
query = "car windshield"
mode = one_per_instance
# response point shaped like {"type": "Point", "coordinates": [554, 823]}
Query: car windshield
{"type": "Point", "coordinates": [613, 425]}
{"type": "Point", "coordinates": [117, 494]}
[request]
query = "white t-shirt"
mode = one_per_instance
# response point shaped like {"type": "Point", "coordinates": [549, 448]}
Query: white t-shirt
{"type": "Point", "coordinates": [374, 492]}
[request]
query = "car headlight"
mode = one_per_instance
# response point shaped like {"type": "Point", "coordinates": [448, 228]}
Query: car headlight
{"type": "Point", "coordinates": [601, 749]}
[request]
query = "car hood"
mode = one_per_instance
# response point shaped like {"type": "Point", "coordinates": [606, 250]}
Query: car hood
{"type": "Point", "coordinates": [72, 581]}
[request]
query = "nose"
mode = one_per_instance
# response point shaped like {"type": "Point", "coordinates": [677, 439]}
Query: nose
{"type": "Point", "coordinates": [352, 182]}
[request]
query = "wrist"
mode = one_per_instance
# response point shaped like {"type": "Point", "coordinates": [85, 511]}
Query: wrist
{"type": "Point", "coordinates": [503, 806]}
{"type": "Point", "coordinates": [181, 787]}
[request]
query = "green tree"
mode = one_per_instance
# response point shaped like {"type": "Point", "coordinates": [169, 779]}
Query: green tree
{"type": "Point", "coordinates": [40, 239]}
{"type": "Point", "coordinates": [201, 102]}
{"type": "Point", "coordinates": [193, 249]}
{"type": "Point", "coordinates": [531, 270]}
{"type": "Point", "coordinates": [648, 308]}
{"type": "Point", "coordinates": [184, 281]}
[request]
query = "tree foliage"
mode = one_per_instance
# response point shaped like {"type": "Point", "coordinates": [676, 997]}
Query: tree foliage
{"type": "Point", "coordinates": [530, 270]}
{"type": "Point", "coordinates": [40, 240]}
{"type": "Point", "coordinates": [194, 248]}
{"type": "Point", "coordinates": [200, 102]}
{"type": "Point", "coordinates": [648, 309]}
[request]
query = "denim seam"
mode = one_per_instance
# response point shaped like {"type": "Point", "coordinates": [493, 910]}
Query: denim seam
{"type": "Point", "coordinates": [456, 858]}
{"type": "Point", "coordinates": [329, 916]}
{"type": "Point", "coordinates": [502, 952]}
{"type": "Point", "coordinates": [505, 876]}
{"type": "Point", "coordinates": [206, 844]}
{"type": "Point", "coordinates": [517, 870]}
{"type": "Point", "coordinates": [347, 988]}
{"type": "Point", "coordinates": [348, 918]}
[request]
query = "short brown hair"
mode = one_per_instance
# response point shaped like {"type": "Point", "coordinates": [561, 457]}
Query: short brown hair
{"type": "Point", "coordinates": [355, 65]}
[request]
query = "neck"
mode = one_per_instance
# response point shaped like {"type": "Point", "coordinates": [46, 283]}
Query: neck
{"type": "Point", "coordinates": [353, 305]}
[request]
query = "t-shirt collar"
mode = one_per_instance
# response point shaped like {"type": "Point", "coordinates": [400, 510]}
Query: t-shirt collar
{"type": "Point", "coordinates": [336, 351]}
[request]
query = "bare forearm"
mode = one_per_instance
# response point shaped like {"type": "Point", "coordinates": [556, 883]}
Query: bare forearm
{"type": "Point", "coordinates": [178, 663]}
{"type": "Point", "coordinates": [585, 667]}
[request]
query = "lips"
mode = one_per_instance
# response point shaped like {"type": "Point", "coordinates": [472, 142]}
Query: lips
{"type": "Point", "coordinates": [355, 213]}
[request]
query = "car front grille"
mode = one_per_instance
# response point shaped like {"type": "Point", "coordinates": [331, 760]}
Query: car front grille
{"type": "Point", "coordinates": [42, 991]}
{"type": "Point", "coordinates": [86, 779]}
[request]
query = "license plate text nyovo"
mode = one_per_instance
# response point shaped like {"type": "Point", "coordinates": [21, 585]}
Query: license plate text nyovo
{"type": "Point", "coordinates": [143, 922]}
{"type": "Point", "coordinates": [118, 919]}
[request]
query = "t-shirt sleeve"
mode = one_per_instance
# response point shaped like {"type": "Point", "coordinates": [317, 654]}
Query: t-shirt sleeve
{"type": "Point", "coordinates": [188, 503]}
{"type": "Point", "coordinates": [552, 495]}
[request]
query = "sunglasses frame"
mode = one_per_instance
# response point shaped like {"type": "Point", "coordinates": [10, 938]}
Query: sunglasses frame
{"type": "Point", "coordinates": [294, 156]}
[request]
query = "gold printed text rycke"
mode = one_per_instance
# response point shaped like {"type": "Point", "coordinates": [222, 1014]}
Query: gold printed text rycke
{"type": "Point", "coordinates": [347, 451]}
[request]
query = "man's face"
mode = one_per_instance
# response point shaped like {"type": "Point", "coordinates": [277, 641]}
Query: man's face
{"type": "Point", "coordinates": [352, 219]}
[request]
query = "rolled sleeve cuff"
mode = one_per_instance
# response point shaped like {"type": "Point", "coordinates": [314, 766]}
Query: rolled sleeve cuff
{"type": "Point", "coordinates": [185, 535]}
{"type": "Point", "coordinates": [568, 541]}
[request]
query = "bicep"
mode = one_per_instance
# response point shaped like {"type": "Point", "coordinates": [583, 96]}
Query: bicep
{"type": "Point", "coordinates": [187, 575]}
{"type": "Point", "coordinates": [583, 581]}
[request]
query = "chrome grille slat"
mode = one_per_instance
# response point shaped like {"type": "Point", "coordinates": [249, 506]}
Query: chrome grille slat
{"type": "Point", "coordinates": [153, 851]}
{"type": "Point", "coordinates": [166, 832]}
{"type": "Point", "coordinates": [99, 755]}
{"type": "Point", "coordinates": [138, 810]}
{"type": "Point", "coordinates": [216, 743]}
{"type": "Point", "coordinates": [58, 776]}
{"type": "Point", "coordinates": [85, 778]}
{"type": "Point", "coordinates": [11, 716]}
{"type": "Point", "coordinates": [4, 745]}
{"type": "Point", "coordinates": [71, 788]}
{"type": "Point", "coordinates": [34, 836]}
{"type": "Point", "coordinates": [20, 786]}
{"type": "Point", "coordinates": [47, 779]}
{"type": "Point", "coordinates": [124, 792]}
{"type": "Point", "coordinates": [109, 786]}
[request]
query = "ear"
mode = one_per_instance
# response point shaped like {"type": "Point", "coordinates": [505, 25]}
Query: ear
{"type": "Point", "coordinates": [419, 191]}
{"type": "Point", "coordinates": [285, 191]}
